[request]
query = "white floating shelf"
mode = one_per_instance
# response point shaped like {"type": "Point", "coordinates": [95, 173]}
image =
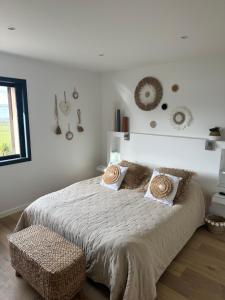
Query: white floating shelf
{"type": "Point", "coordinates": [121, 135]}
{"type": "Point", "coordinates": [101, 168]}
{"type": "Point", "coordinates": [221, 144]}
{"type": "Point", "coordinates": [126, 136]}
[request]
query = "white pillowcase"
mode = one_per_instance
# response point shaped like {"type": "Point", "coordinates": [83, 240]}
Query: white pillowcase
{"type": "Point", "coordinates": [168, 199]}
{"type": "Point", "coordinates": [115, 186]}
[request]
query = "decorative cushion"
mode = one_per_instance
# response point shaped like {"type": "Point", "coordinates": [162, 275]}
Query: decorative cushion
{"type": "Point", "coordinates": [135, 175]}
{"type": "Point", "coordinates": [113, 176]}
{"type": "Point", "coordinates": [184, 174]}
{"type": "Point", "coordinates": [162, 187]}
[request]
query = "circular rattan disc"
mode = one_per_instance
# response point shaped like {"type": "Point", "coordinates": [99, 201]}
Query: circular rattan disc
{"type": "Point", "coordinates": [148, 93]}
{"type": "Point", "coordinates": [112, 174]}
{"type": "Point", "coordinates": [161, 186]}
{"type": "Point", "coordinates": [181, 117]}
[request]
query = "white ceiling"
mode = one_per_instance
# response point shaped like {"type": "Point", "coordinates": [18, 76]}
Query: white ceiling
{"type": "Point", "coordinates": [128, 32]}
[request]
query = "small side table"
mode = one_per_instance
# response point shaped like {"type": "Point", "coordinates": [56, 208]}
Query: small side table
{"type": "Point", "coordinates": [217, 206]}
{"type": "Point", "coordinates": [101, 168]}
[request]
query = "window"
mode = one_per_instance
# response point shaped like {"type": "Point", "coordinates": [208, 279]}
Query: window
{"type": "Point", "coordinates": [14, 123]}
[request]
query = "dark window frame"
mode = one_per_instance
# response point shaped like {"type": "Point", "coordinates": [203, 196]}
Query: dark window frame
{"type": "Point", "coordinates": [20, 86]}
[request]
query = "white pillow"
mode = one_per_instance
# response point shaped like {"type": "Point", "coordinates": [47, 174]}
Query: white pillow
{"type": "Point", "coordinates": [162, 187]}
{"type": "Point", "coordinates": [113, 176]}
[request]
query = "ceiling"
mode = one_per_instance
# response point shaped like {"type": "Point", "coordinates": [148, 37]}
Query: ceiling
{"type": "Point", "coordinates": [128, 32]}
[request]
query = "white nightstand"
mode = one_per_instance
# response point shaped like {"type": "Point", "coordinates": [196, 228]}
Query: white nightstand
{"type": "Point", "coordinates": [101, 168]}
{"type": "Point", "coordinates": [217, 206]}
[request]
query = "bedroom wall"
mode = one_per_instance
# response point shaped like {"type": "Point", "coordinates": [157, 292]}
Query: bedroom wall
{"type": "Point", "coordinates": [202, 90]}
{"type": "Point", "coordinates": [56, 162]}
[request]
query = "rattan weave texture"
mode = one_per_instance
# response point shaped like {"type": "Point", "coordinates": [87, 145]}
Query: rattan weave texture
{"type": "Point", "coordinates": [161, 186]}
{"type": "Point", "coordinates": [112, 174]}
{"type": "Point", "coordinates": [52, 265]}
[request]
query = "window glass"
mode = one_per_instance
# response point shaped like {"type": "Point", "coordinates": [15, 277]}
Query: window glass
{"type": "Point", "coordinates": [9, 134]}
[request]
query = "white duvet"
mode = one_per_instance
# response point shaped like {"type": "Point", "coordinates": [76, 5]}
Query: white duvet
{"type": "Point", "coordinates": [128, 240]}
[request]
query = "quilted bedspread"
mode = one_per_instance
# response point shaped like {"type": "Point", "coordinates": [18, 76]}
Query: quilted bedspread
{"type": "Point", "coordinates": [128, 240]}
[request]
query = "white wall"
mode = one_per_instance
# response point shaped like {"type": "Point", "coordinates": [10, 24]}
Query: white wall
{"type": "Point", "coordinates": [56, 162]}
{"type": "Point", "coordinates": [202, 89]}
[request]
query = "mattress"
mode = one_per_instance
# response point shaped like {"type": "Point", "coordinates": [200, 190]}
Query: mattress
{"type": "Point", "coordinates": [128, 240]}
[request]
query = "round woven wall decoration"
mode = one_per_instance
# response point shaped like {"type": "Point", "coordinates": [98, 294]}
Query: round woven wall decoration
{"type": "Point", "coordinates": [181, 118]}
{"type": "Point", "coordinates": [153, 124]}
{"type": "Point", "coordinates": [112, 174]}
{"type": "Point", "coordinates": [161, 186]}
{"type": "Point", "coordinates": [175, 88]}
{"type": "Point", "coordinates": [148, 93]}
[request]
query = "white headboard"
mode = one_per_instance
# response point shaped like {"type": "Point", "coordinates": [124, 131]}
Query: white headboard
{"type": "Point", "coordinates": [177, 152]}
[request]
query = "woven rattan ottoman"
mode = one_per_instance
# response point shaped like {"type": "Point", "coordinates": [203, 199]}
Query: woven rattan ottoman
{"type": "Point", "coordinates": [53, 266]}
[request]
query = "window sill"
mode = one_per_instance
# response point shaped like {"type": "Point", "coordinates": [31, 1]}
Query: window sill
{"type": "Point", "coordinates": [14, 161]}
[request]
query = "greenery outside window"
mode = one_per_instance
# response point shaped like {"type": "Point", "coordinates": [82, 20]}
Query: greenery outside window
{"type": "Point", "coordinates": [14, 122]}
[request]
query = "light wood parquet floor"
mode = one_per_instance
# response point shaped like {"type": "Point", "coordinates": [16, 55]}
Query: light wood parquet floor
{"type": "Point", "coordinates": [197, 273]}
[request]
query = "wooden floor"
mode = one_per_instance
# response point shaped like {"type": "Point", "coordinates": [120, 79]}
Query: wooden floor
{"type": "Point", "coordinates": [198, 272]}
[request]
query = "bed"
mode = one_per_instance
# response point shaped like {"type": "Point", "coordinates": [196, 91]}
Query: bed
{"type": "Point", "coordinates": [128, 241]}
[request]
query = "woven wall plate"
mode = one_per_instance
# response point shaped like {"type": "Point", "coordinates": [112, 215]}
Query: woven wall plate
{"type": "Point", "coordinates": [148, 93]}
{"type": "Point", "coordinates": [112, 174]}
{"type": "Point", "coordinates": [161, 186]}
{"type": "Point", "coordinates": [175, 88]}
{"type": "Point", "coordinates": [181, 118]}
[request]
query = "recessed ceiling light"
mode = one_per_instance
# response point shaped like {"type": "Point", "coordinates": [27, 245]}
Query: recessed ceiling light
{"type": "Point", "coordinates": [184, 37]}
{"type": "Point", "coordinates": [101, 54]}
{"type": "Point", "coordinates": [12, 28]}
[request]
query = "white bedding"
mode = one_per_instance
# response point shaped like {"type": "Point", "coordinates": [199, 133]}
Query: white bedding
{"type": "Point", "coordinates": [128, 241]}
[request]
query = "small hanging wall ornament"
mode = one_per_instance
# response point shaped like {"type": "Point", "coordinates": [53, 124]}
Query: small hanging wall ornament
{"type": "Point", "coordinates": [69, 134]}
{"type": "Point", "coordinates": [181, 118]}
{"type": "Point", "coordinates": [153, 124]}
{"type": "Point", "coordinates": [75, 94]}
{"type": "Point", "coordinates": [175, 88]}
{"type": "Point", "coordinates": [148, 93]}
{"type": "Point", "coordinates": [65, 106]}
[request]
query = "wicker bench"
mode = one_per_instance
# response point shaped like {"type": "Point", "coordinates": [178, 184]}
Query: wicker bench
{"type": "Point", "coordinates": [53, 266]}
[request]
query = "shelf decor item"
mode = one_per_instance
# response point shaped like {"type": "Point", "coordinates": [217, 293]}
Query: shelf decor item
{"type": "Point", "coordinates": [148, 93]}
{"type": "Point", "coordinates": [214, 134]}
{"type": "Point", "coordinates": [125, 124]}
{"type": "Point", "coordinates": [181, 118]}
{"type": "Point", "coordinates": [117, 121]}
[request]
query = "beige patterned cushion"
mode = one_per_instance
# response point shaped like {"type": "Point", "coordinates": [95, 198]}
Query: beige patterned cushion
{"type": "Point", "coordinates": [135, 176]}
{"type": "Point", "coordinates": [113, 176]}
{"type": "Point", "coordinates": [162, 188]}
{"type": "Point", "coordinates": [184, 174]}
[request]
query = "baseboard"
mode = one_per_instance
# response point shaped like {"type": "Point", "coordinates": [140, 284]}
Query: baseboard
{"type": "Point", "coordinates": [14, 210]}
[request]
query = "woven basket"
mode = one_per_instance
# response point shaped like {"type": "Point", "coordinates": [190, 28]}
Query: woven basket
{"type": "Point", "coordinates": [215, 224]}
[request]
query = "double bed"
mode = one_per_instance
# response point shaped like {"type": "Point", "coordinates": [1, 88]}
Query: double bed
{"type": "Point", "coordinates": [128, 241]}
